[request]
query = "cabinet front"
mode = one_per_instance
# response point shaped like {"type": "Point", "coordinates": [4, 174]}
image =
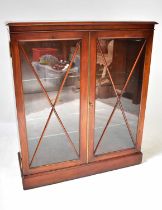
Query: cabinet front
{"type": "Point", "coordinates": [81, 90]}
{"type": "Point", "coordinates": [117, 66]}
{"type": "Point", "coordinates": [52, 76]}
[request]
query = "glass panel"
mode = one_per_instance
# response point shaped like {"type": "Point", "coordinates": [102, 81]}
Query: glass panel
{"type": "Point", "coordinates": [117, 109]}
{"type": "Point", "coordinates": [116, 136]}
{"type": "Point", "coordinates": [51, 138]}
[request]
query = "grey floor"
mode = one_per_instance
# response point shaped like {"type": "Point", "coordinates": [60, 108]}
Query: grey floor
{"type": "Point", "coordinates": [55, 146]}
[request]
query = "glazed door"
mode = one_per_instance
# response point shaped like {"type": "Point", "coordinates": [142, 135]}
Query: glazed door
{"type": "Point", "coordinates": [51, 72]}
{"type": "Point", "coordinates": [116, 76]}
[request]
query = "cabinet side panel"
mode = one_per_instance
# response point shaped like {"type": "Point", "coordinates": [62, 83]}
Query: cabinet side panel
{"type": "Point", "coordinates": [19, 104]}
{"type": "Point", "coordinates": [144, 88]}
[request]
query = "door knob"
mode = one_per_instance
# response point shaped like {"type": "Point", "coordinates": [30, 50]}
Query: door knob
{"type": "Point", "coordinates": [90, 104]}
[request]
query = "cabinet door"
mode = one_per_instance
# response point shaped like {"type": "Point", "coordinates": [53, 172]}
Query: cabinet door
{"type": "Point", "coordinates": [51, 88]}
{"type": "Point", "coordinates": [116, 78]}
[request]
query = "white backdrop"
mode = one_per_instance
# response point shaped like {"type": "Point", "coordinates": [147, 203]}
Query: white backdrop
{"type": "Point", "coordinates": [85, 10]}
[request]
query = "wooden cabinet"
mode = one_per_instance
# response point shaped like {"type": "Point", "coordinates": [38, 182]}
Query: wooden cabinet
{"type": "Point", "coordinates": [81, 91]}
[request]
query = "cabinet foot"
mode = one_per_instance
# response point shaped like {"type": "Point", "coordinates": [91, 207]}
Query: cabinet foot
{"type": "Point", "coordinates": [51, 177]}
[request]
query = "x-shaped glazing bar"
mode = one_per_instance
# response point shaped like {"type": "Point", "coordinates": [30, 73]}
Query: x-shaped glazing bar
{"type": "Point", "coordinates": [118, 96]}
{"type": "Point", "coordinates": [55, 101]}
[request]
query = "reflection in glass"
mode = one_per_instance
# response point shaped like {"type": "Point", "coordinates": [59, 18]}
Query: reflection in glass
{"type": "Point", "coordinates": [116, 119]}
{"type": "Point", "coordinates": [59, 140]}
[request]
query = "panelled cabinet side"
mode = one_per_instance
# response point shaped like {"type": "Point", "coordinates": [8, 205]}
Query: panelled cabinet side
{"type": "Point", "coordinates": [19, 105]}
{"type": "Point", "coordinates": [146, 73]}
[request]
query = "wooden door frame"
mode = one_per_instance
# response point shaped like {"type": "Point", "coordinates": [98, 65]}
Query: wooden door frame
{"type": "Point", "coordinates": [45, 36]}
{"type": "Point", "coordinates": [148, 36]}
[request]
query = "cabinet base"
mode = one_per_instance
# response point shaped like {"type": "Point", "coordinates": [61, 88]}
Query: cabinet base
{"type": "Point", "coordinates": [51, 177]}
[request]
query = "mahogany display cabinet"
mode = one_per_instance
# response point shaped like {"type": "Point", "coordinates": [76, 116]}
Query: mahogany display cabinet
{"type": "Point", "coordinates": [81, 91]}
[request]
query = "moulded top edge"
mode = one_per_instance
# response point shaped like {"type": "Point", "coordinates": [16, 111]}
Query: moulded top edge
{"type": "Point", "coordinates": [80, 25]}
